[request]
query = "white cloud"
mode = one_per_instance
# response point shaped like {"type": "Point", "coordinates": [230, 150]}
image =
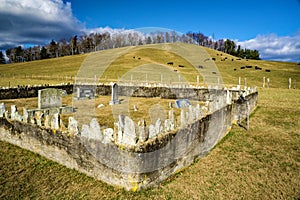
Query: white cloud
{"type": "Point", "coordinates": [273, 47]}
{"type": "Point", "coordinates": [35, 22]}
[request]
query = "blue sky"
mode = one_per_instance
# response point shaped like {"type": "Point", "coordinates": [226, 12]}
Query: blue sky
{"type": "Point", "coordinates": [241, 20]}
{"type": "Point", "coordinates": [271, 26]}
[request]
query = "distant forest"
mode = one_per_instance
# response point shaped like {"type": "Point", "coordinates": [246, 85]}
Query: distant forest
{"type": "Point", "coordinates": [101, 41]}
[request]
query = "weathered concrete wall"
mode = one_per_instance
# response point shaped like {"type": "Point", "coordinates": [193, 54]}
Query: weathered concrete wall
{"type": "Point", "coordinates": [130, 168]}
{"type": "Point", "coordinates": [133, 91]}
{"type": "Point", "coordinates": [30, 91]}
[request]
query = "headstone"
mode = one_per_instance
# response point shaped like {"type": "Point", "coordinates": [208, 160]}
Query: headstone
{"type": "Point", "coordinates": [158, 126]}
{"type": "Point", "coordinates": [182, 118]}
{"type": "Point", "coordinates": [120, 126]}
{"type": "Point", "coordinates": [47, 121]}
{"type": "Point", "coordinates": [94, 130]}
{"type": "Point", "coordinates": [191, 114]}
{"type": "Point", "coordinates": [228, 97]}
{"type": "Point", "coordinates": [49, 98]}
{"type": "Point", "coordinates": [114, 95]}
{"type": "Point", "coordinates": [264, 82]}
{"type": "Point", "coordinates": [38, 117]}
{"type": "Point", "coordinates": [129, 136]}
{"type": "Point", "coordinates": [152, 131]}
{"type": "Point", "coordinates": [135, 108]}
{"type": "Point", "coordinates": [13, 112]}
{"type": "Point", "coordinates": [268, 82]}
{"type": "Point", "coordinates": [182, 103]}
{"type": "Point", "coordinates": [2, 109]}
{"type": "Point", "coordinates": [55, 121]}
{"type": "Point", "coordinates": [172, 119]}
{"type": "Point", "coordinates": [86, 92]}
{"type": "Point", "coordinates": [73, 126]}
{"type": "Point", "coordinates": [167, 125]}
{"type": "Point", "coordinates": [108, 134]}
{"type": "Point", "coordinates": [25, 115]}
{"type": "Point", "coordinates": [143, 134]}
{"type": "Point", "coordinates": [170, 104]}
{"type": "Point", "coordinates": [290, 83]}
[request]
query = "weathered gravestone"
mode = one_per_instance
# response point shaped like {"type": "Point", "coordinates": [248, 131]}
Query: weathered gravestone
{"type": "Point", "coordinates": [114, 95]}
{"type": "Point", "coordinates": [182, 103]}
{"type": "Point", "coordinates": [84, 92]}
{"type": "Point", "coordinates": [2, 109]}
{"type": "Point", "coordinates": [49, 98]}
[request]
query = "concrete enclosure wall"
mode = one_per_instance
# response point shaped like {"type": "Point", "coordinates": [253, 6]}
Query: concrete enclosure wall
{"type": "Point", "coordinates": [131, 168]}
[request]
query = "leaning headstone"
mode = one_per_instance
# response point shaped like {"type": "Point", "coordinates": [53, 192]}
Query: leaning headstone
{"type": "Point", "coordinates": [182, 103]}
{"type": "Point", "coordinates": [2, 109]}
{"type": "Point", "coordinates": [73, 126]}
{"type": "Point", "coordinates": [49, 98]}
{"type": "Point", "coordinates": [135, 108]}
{"type": "Point", "coordinates": [129, 136]}
{"type": "Point", "coordinates": [114, 95]}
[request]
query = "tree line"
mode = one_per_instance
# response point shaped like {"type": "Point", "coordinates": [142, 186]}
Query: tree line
{"type": "Point", "coordinates": [101, 41]}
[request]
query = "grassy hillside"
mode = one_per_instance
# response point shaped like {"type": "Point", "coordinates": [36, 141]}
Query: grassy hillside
{"type": "Point", "coordinates": [262, 163]}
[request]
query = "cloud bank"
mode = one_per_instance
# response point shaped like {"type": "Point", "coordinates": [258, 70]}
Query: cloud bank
{"type": "Point", "coordinates": [35, 22]}
{"type": "Point", "coordinates": [273, 47]}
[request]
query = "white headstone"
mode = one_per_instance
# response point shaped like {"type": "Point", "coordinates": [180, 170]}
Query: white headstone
{"type": "Point", "coordinates": [25, 115]}
{"type": "Point", "coordinates": [172, 119]}
{"type": "Point", "coordinates": [2, 109]}
{"type": "Point", "coordinates": [38, 117]}
{"type": "Point", "coordinates": [94, 130]}
{"type": "Point", "coordinates": [55, 121]}
{"type": "Point", "coordinates": [108, 134]}
{"type": "Point", "coordinates": [143, 134]}
{"type": "Point", "coordinates": [152, 131]}
{"type": "Point", "coordinates": [73, 126]}
{"type": "Point", "coordinates": [129, 136]}
{"type": "Point", "coordinates": [13, 112]}
{"type": "Point", "coordinates": [158, 126]}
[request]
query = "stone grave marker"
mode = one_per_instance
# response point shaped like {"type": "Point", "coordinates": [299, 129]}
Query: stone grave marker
{"type": "Point", "coordinates": [2, 109]}
{"type": "Point", "coordinates": [182, 103]}
{"type": "Point", "coordinates": [49, 98]}
{"type": "Point", "coordinates": [114, 95]}
{"type": "Point", "coordinates": [84, 92]}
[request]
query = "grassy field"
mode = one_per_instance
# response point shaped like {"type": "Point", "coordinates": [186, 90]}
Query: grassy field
{"type": "Point", "coordinates": [262, 163]}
